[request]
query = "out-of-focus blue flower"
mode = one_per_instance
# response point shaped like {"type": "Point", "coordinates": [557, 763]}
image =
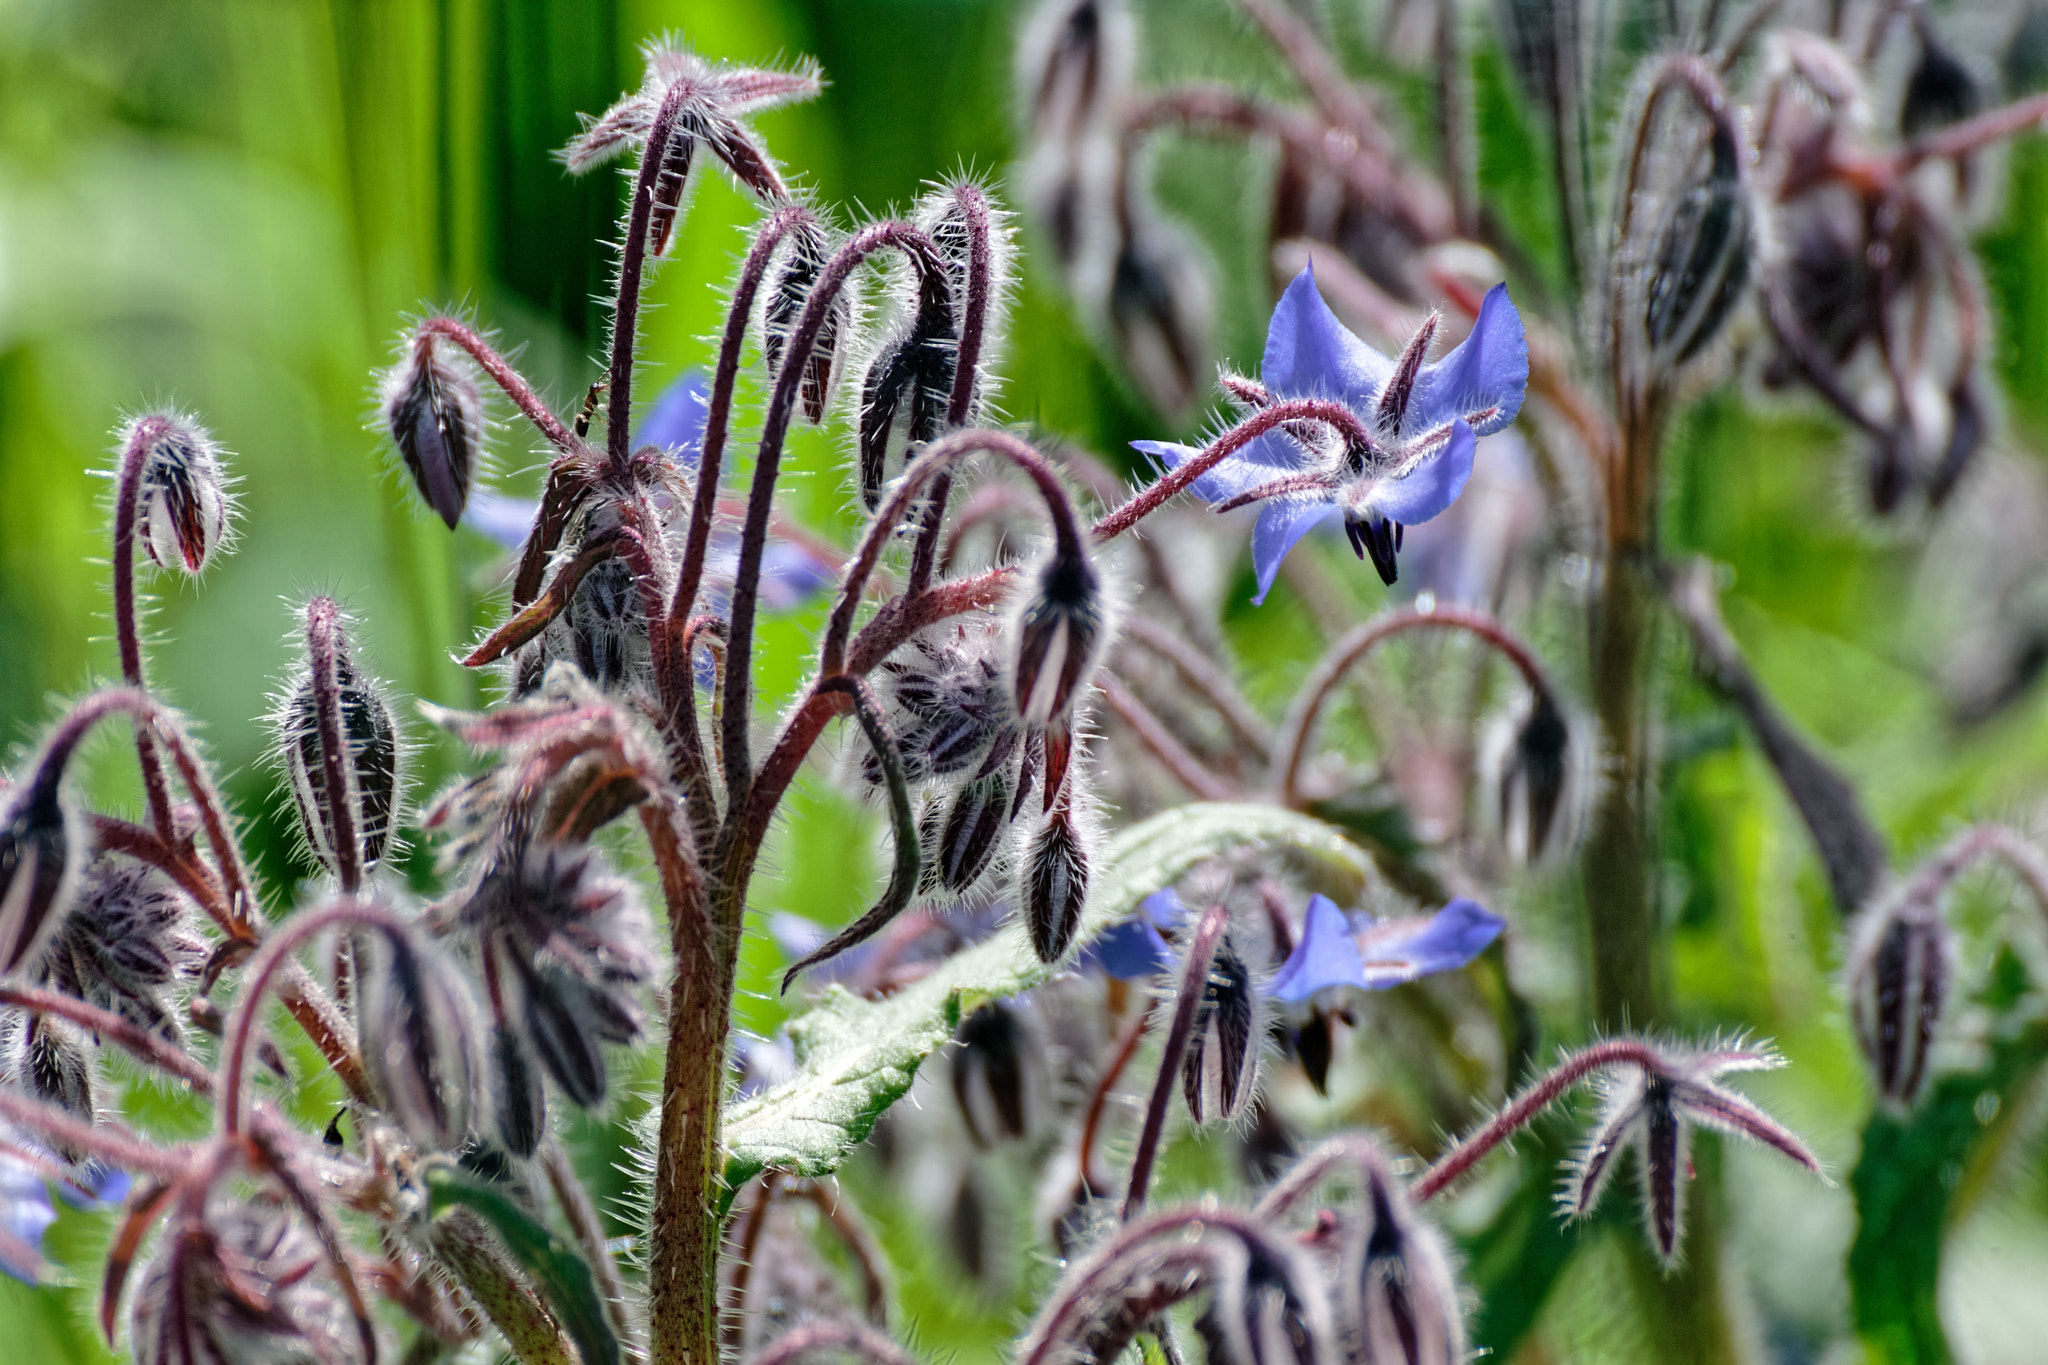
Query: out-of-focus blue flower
{"type": "Point", "coordinates": [1424, 420]}
{"type": "Point", "coordinates": [1330, 954]}
{"type": "Point", "coordinates": [26, 1209]}
{"type": "Point", "coordinates": [676, 422]}
{"type": "Point", "coordinates": [1134, 948]}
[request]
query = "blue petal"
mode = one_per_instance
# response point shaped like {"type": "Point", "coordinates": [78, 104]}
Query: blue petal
{"type": "Point", "coordinates": [791, 574]}
{"type": "Point", "coordinates": [1432, 486]}
{"type": "Point", "coordinates": [503, 518]}
{"type": "Point", "coordinates": [1264, 460]}
{"type": "Point", "coordinates": [1406, 949]}
{"type": "Point", "coordinates": [1326, 955]}
{"type": "Point", "coordinates": [1128, 951]}
{"type": "Point", "coordinates": [1310, 354]}
{"type": "Point", "coordinates": [1489, 369]}
{"type": "Point", "coordinates": [1282, 523]}
{"type": "Point", "coordinates": [1163, 909]}
{"type": "Point", "coordinates": [25, 1213]}
{"type": "Point", "coordinates": [676, 422]}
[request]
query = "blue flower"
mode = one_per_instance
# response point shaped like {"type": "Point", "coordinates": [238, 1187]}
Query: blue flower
{"type": "Point", "coordinates": [1330, 955]}
{"type": "Point", "coordinates": [1423, 418]}
{"type": "Point", "coordinates": [26, 1209]}
{"type": "Point", "coordinates": [1134, 948]}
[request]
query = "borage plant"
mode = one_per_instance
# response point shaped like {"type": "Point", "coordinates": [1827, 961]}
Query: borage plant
{"type": "Point", "coordinates": [1016, 665]}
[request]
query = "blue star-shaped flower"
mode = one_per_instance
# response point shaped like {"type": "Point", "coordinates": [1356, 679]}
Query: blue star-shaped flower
{"type": "Point", "coordinates": [1423, 419]}
{"type": "Point", "coordinates": [1330, 955]}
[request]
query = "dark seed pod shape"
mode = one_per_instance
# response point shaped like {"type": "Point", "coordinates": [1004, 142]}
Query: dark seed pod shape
{"type": "Point", "coordinates": [521, 1108]}
{"type": "Point", "coordinates": [609, 623]}
{"type": "Point", "coordinates": [1158, 311]}
{"type": "Point", "coordinates": [435, 415]}
{"type": "Point", "coordinates": [1533, 777]}
{"type": "Point", "coordinates": [990, 1078]}
{"type": "Point", "coordinates": [418, 1039]}
{"type": "Point", "coordinates": [370, 735]}
{"type": "Point", "coordinates": [966, 842]}
{"type": "Point", "coordinates": [1265, 1319]}
{"type": "Point", "coordinates": [1059, 636]}
{"type": "Point", "coordinates": [1941, 90]}
{"type": "Point", "coordinates": [1408, 1310]}
{"type": "Point", "coordinates": [39, 863]}
{"type": "Point", "coordinates": [1054, 876]}
{"type": "Point", "coordinates": [1898, 982]}
{"type": "Point", "coordinates": [908, 384]}
{"type": "Point", "coordinates": [1220, 1070]}
{"type": "Point", "coordinates": [1703, 257]}
{"type": "Point", "coordinates": [671, 182]}
{"type": "Point", "coordinates": [802, 262]}
{"type": "Point", "coordinates": [182, 518]}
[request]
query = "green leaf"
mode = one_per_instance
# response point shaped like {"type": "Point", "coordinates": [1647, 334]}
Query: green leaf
{"type": "Point", "coordinates": [857, 1057]}
{"type": "Point", "coordinates": [559, 1273]}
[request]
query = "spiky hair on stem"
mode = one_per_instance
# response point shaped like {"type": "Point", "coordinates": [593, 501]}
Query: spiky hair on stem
{"type": "Point", "coordinates": [185, 518]}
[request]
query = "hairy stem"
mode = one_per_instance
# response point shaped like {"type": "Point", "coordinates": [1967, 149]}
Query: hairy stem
{"type": "Point", "coordinates": [1194, 984]}
{"type": "Point", "coordinates": [127, 625]}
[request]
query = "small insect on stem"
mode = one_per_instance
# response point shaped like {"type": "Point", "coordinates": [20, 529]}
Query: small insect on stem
{"type": "Point", "coordinates": [590, 398]}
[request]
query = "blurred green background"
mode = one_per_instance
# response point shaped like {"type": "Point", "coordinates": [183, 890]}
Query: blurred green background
{"type": "Point", "coordinates": [231, 207]}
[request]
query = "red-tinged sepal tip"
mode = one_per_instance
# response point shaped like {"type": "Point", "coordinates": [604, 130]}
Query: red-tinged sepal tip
{"type": "Point", "coordinates": [434, 414]}
{"type": "Point", "coordinates": [803, 260]}
{"type": "Point", "coordinates": [184, 502]}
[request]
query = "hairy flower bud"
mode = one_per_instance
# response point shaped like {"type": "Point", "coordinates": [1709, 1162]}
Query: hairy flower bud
{"type": "Point", "coordinates": [435, 415]}
{"type": "Point", "coordinates": [241, 1287]}
{"type": "Point", "coordinates": [1408, 1302]}
{"type": "Point", "coordinates": [1059, 635]}
{"type": "Point", "coordinates": [417, 1039]}
{"type": "Point", "coordinates": [1220, 1070]}
{"type": "Point", "coordinates": [963, 844]}
{"type": "Point", "coordinates": [908, 384]}
{"type": "Point", "coordinates": [1072, 62]}
{"type": "Point", "coordinates": [1703, 256]}
{"type": "Point", "coordinates": [990, 1074]}
{"type": "Point", "coordinates": [1269, 1317]}
{"type": "Point", "coordinates": [1940, 91]}
{"type": "Point", "coordinates": [39, 865]}
{"type": "Point", "coordinates": [1053, 877]}
{"type": "Point", "coordinates": [1898, 977]}
{"type": "Point", "coordinates": [1158, 308]}
{"type": "Point", "coordinates": [521, 1110]}
{"type": "Point", "coordinates": [183, 513]}
{"type": "Point", "coordinates": [802, 262]}
{"type": "Point", "coordinates": [374, 759]}
{"type": "Point", "coordinates": [1533, 777]}
{"type": "Point", "coordinates": [48, 1059]}
{"type": "Point", "coordinates": [127, 938]}
{"type": "Point", "coordinates": [608, 623]}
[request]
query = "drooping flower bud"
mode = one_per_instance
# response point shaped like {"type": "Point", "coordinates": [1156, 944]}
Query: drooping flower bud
{"type": "Point", "coordinates": [238, 1286]}
{"type": "Point", "coordinates": [964, 844]}
{"type": "Point", "coordinates": [1159, 311]}
{"type": "Point", "coordinates": [608, 623]}
{"type": "Point", "coordinates": [47, 1057]}
{"type": "Point", "coordinates": [39, 864]}
{"type": "Point", "coordinates": [417, 1038]}
{"type": "Point", "coordinates": [521, 1109]}
{"type": "Point", "coordinates": [1533, 777]}
{"type": "Point", "coordinates": [1898, 977]}
{"type": "Point", "coordinates": [1053, 877]}
{"type": "Point", "coordinates": [802, 262]}
{"type": "Point", "coordinates": [183, 514]}
{"type": "Point", "coordinates": [1941, 90]}
{"type": "Point", "coordinates": [434, 413]}
{"type": "Point", "coordinates": [127, 938]}
{"type": "Point", "coordinates": [1072, 62]}
{"type": "Point", "coordinates": [991, 1074]}
{"type": "Point", "coordinates": [1703, 256]}
{"type": "Point", "coordinates": [1059, 635]}
{"type": "Point", "coordinates": [908, 385]}
{"type": "Point", "coordinates": [1221, 1068]}
{"type": "Point", "coordinates": [373, 758]}
{"type": "Point", "coordinates": [1408, 1301]}
{"type": "Point", "coordinates": [1269, 1317]}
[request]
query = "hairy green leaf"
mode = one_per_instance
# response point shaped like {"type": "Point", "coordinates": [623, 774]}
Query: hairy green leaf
{"type": "Point", "coordinates": [856, 1057]}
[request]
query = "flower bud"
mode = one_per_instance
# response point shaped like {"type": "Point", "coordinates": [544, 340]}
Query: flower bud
{"type": "Point", "coordinates": [1898, 981]}
{"type": "Point", "coordinates": [908, 385]}
{"type": "Point", "coordinates": [435, 415]}
{"type": "Point", "coordinates": [127, 938]}
{"type": "Point", "coordinates": [608, 622]}
{"type": "Point", "coordinates": [1941, 90]}
{"type": "Point", "coordinates": [183, 516]}
{"type": "Point", "coordinates": [990, 1074]}
{"type": "Point", "coordinates": [802, 262]}
{"type": "Point", "coordinates": [1967, 424]}
{"type": "Point", "coordinates": [1159, 309]}
{"type": "Point", "coordinates": [1533, 777]}
{"type": "Point", "coordinates": [417, 1039]}
{"type": "Point", "coordinates": [236, 1286]}
{"type": "Point", "coordinates": [374, 758]}
{"type": "Point", "coordinates": [1266, 1318]}
{"type": "Point", "coordinates": [48, 1059]}
{"type": "Point", "coordinates": [965, 844]}
{"type": "Point", "coordinates": [1702, 258]}
{"type": "Point", "coordinates": [1054, 884]}
{"type": "Point", "coordinates": [521, 1111]}
{"type": "Point", "coordinates": [1059, 635]}
{"type": "Point", "coordinates": [1220, 1070]}
{"type": "Point", "coordinates": [1408, 1302]}
{"type": "Point", "coordinates": [39, 866]}
{"type": "Point", "coordinates": [1072, 63]}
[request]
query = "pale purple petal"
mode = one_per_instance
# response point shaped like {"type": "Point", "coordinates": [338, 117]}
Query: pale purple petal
{"type": "Point", "coordinates": [676, 422]}
{"type": "Point", "coordinates": [791, 574]}
{"type": "Point", "coordinates": [1130, 951]}
{"type": "Point", "coordinates": [1282, 523]}
{"type": "Point", "coordinates": [1482, 379]}
{"type": "Point", "coordinates": [1309, 354]}
{"type": "Point", "coordinates": [503, 518]}
{"type": "Point", "coordinates": [1326, 956]}
{"type": "Point", "coordinates": [1430, 487]}
{"type": "Point", "coordinates": [25, 1214]}
{"type": "Point", "coordinates": [1163, 909]}
{"type": "Point", "coordinates": [1263, 460]}
{"type": "Point", "coordinates": [1406, 949]}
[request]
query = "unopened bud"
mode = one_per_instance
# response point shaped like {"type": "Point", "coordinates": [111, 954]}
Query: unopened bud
{"type": "Point", "coordinates": [1054, 884]}
{"type": "Point", "coordinates": [435, 415]}
{"type": "Point", "coordinates": [48, 1059]}
{"type": "Point", "coordinates": [1267, 1318]}
{"type": "Point", "coordinates": [908, 385]}
{"type": "Point", "coordinates": [521, 1108]}
{"type": "Point", "coordinates": [1967, 426]}
{"type": "Point", "coordinates": [1898, 981]}
{"type": "Point", "coordinates": [1220, 1070]}
{"type": "Point", "coordinates": [1941, 90]}
{"type": "Point", "coordinates": [1058, 637]}
{"type": "Point", "coordinates": [990, 1081]}
{"type": "Point", "coordinates": [802, 262]}
{"type": "Point", "coordinates": [964, 845]}
{"type": "Point", "coordinates": [1072, 61]}
{"type": "Point", "coordinates": [1159, 309]}
{"type": "Point", "coordinates": [1703, 256]}
{"type": "Point", "coordinates": [39, 864]}
{"type": "Point", "coordinates": [1408, 1302]}
{"type": "Point", "coordinates": [125, 941]}
{"type": "Point", "coordinates": [1533, 776]}
{"type": "Point", "coordinates": [417, 1039]}
{"type": "Point", "coordinates": [608, 622]}
{"type": "Point", "coordinates": [369, 737]}
{"type": "Point", "coordinates": [183, 514]}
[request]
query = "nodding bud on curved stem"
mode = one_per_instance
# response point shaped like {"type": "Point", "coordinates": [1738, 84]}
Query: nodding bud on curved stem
{"type": "Point", "coordinates": [419, 1038]}
{"type": "Point", "coordinates": [1052, 880]}
{"type": "Point", "coordinates": [183, 499]}
{"type": "Point", "coordinates": [434, 413]}
{"type": "Point", "coordinates": [340, 751]}
{"type": "Point", "coordinates": [1220, 1073]}
{"type": "Point", "coordinates": [1203, 945]}
{"type": "Point", "coordinates": [803, 260]}
{"type": "Point", "coordinates": [909, 383]}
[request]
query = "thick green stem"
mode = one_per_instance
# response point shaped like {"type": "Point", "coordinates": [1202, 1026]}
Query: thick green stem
{"type": "Point", "coordinates": [1619, 912]}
